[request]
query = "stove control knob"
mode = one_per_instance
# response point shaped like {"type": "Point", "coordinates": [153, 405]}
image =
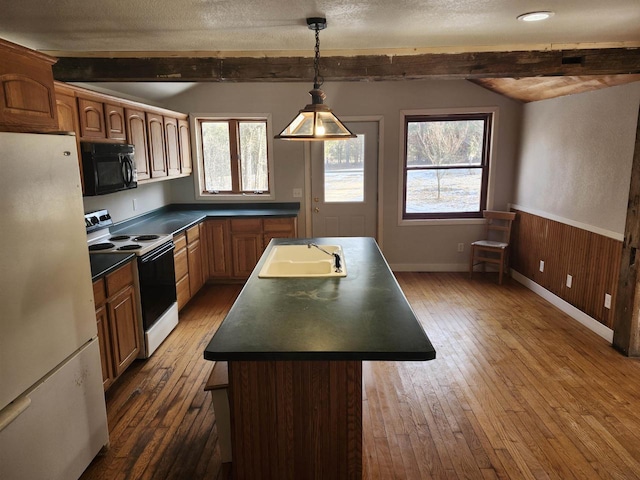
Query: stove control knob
{"type": "Point", "coordinates": [104, 217]}
{"type": "Point", "coordinates": [94, 220]}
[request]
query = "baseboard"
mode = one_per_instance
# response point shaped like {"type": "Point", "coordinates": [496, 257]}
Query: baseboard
{"type": "Point", "coordinates": [589, 322]}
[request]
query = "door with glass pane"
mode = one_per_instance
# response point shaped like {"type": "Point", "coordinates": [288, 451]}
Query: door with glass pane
{"type": "Point", "coordinates": [344, 180]}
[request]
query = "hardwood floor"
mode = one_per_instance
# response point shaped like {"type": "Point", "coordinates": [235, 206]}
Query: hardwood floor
{"type": "Point", "coordinates": [518, 391]}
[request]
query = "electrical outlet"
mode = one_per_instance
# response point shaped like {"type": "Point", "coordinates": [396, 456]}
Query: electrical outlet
{"type": "Point", "coordinates": [297, 193]}
{"type": "Point", "coordinates": [607, 301]}
{"type": "Point", "coordinates": [569, 281]}
{"type": "Point", "coordinates": [135, 204]}
{"type": "Point", "coordinates": [461, 247]}
{"type": "Point", "coordinates": [542, 265]}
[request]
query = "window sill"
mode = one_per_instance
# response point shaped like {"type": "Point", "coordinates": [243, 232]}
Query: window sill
{"type": "Point", "coordinates": [244, 197]}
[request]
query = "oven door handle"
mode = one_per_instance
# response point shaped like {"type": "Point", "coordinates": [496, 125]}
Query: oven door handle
{"type": "Point", "coordinates": [157, 253]}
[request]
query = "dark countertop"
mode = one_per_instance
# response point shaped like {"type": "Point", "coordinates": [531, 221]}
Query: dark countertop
{"type": "Point", "coordinates": [176, 218]}
{"type": "Point", "coordinates": [104, 263]}
{"type": "Point", "coordinates": [363, 316]}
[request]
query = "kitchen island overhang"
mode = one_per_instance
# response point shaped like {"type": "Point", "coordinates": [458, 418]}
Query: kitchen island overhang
{"type": "Point", "coordinates": [295, 348]}
{"type": "Point", "coordinates": [363, 316]}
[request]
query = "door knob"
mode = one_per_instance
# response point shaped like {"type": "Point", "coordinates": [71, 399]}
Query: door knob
{"type": "Point", "coordinates": [316, 199]}
{"type": "Point", "coordinates": [316, 209]}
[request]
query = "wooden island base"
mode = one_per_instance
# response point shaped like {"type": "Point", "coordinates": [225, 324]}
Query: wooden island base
{"type": "Point", "coordinates": [296, 420]}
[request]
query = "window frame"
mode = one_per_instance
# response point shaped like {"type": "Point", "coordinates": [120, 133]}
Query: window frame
{"type": "Point", "coordinates": [235, 194]}
{"type": "Point", "coordinates": [487, 114]}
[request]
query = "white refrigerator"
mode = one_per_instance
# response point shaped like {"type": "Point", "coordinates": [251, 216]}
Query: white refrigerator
{"type": "Point", "coordinates": [52, 409]}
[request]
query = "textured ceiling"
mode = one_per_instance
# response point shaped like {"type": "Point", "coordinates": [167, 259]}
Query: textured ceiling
{"type": "Point", "coordinates": [279, 25]}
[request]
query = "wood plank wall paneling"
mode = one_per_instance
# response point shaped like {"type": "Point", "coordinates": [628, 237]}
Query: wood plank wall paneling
{"type": "Point", "coordinates": [592, 260]}
{"type": "Point", "coordinates": [294, 420]}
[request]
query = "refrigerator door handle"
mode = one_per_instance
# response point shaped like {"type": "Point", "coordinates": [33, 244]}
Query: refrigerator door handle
{"type": "Point", "coordinates": [13, 411]}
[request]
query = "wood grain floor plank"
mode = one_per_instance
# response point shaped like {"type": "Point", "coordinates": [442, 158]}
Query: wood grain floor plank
{"type": "Point", "coordinates": [518, 391]}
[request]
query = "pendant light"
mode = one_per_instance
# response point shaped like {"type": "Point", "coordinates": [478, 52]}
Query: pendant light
{"type": "Point", "coordinates": [316, 121]}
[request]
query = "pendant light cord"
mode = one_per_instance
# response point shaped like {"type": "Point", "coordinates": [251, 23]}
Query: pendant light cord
{"type": "Point", "coordinates": [317, 79]}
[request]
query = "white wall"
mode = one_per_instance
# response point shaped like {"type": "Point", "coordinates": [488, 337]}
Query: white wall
{"type": "Point", "coordinates": [120, 204]}
{"type": "Point", "coordinates": [406, 247]}
{"type": "Point", "coordinates": [576, 155]}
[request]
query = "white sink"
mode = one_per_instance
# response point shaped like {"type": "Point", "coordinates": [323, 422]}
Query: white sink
{"type": "Point", "coordinates": [302, 261]}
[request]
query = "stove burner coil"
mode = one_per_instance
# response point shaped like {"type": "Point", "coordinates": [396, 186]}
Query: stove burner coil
{"type": "Point", "coordinates": [120, 238]}
{"type": "Point", "coordinates": [145, 238]}
{"type": "Point", "coordinates": [100, 246]}
{"type": "Point", "coordinates": [131, 246]}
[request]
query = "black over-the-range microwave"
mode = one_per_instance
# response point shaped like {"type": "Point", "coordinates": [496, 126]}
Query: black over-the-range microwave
{"type": "Point", "coordinates": [107, 168]}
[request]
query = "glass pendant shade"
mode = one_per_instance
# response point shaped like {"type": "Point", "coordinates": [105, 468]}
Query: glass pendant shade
{"type": "Point", "coordinates": [316, 121]}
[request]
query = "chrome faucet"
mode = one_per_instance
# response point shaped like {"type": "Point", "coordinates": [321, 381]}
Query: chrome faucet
{"type": "Point", "coordinates": [336, 258]}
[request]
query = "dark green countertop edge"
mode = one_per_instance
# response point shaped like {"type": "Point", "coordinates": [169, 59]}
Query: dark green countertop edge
{"type": "Point", "coordinates": [176, 218]}
{"type": "Point", "coordinates": [363, 316]}
{"type": "Point", "coordinates": [105, 263]}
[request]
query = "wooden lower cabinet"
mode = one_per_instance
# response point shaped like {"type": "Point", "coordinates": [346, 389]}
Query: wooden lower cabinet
{"type": "Point", "coordinates": [236, 244]}
{"type": "Point", "coordinates": [222, 249]}
{"type": "Point", "coordinates": [125, 338]}
{"type": "Point", "coordinates": [190, 265]}
{"type": "Point", "coordinates": [117, 320]}
{"type": "Point", "coordinates": [194, 256]}
{"type": "Point", "coordinates": [217, 234]}
{"type": "Point", "coordinates": [279, 228]}
{"type": "Point", "coordinates": [181, 265]}
{"type": "Point", "coordinates": [246, 245]}
{"type": "Point", "coordinates": [104, 340]}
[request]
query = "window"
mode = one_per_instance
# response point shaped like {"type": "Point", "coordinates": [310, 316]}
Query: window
{"type": "Point", "coordinates": [344, 170]}
{"type": "Point", "coordinates": [446, 165]}
{"type": "Point", "coordinates": [234, 156]}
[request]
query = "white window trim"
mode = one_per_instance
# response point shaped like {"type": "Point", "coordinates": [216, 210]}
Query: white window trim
{"type": "Point", "coordinates": [198, 173]}
{"type": "Point", "coordinates": [492, 163]}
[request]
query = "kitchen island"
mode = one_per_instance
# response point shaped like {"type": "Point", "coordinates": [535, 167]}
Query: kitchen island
{"type": "Point", "coordinates": [295, 348]}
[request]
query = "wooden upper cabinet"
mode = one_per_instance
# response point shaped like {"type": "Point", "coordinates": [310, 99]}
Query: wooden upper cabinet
{"type": "Point", "coordinates": [114, 122]}
{"type": "Point", "coordinates": [27, 97]}
{"type": "Point", "coordinates": [185, 146]}
{"type": "Point", "coordinates": [136, 126]}
{"type": "Point", "coordinates": [155, 132]}
{"type": "Point", "coordinates": [172, 145]}
{"type": "Point", "coordinates": [67, 112]}
{"type": "Point", "coordinates": [91, 113]}
{"type": "Point", "coordinates": [68, 121]}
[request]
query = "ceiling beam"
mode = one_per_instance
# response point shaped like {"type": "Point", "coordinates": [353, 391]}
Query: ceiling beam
{"type": "Point", "coordinates": [474, 65]}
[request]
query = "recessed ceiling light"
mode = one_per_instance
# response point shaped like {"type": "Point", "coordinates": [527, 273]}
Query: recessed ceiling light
{"type": "Point", "coordinates": [535, 16]}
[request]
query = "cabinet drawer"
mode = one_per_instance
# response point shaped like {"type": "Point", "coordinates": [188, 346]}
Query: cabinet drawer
{"type": "Point", "coordinates": [119, 279]}
{"type": "Point", "coordinates": [180, 241]}
{"type": "Point", "coordinates": [246, 225]}
{"type": "Point", "coordinates": [181, 263]}
{"type": "Point", "coordinates": [193, 233]}
{"type": "Point", "coordinates": [182, 291]}
{"type": "Point", "coordinates": [99, 292]}
{"type": "Point", "coordinates": [285, 225]}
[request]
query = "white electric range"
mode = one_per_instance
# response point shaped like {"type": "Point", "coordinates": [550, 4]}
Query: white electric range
{"type": "Point", "coordinates": [158, 309]}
